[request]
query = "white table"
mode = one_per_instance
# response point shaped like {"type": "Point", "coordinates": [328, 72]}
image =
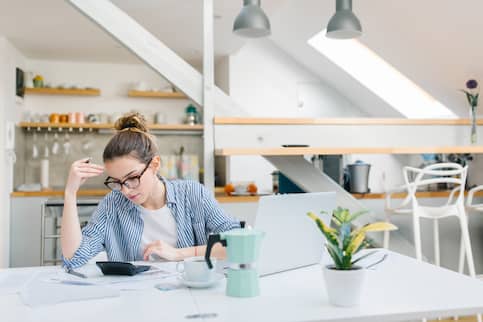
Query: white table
{"type": "Point", "coordinates": [400, 289]}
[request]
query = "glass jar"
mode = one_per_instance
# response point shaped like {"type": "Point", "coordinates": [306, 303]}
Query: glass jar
{"type": "Point", "coordinates": [191, 117]}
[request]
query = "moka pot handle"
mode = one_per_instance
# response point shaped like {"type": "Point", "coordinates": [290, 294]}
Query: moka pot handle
{"type": "Point", "coordinates": [212, 240]}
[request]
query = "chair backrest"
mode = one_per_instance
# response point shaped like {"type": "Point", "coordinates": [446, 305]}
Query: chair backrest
{"type": "Point", "coordinates": [438, 173]}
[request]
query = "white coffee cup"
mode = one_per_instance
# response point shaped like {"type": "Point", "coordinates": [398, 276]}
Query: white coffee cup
{"type": "Point", "coordinates": [195, 269]}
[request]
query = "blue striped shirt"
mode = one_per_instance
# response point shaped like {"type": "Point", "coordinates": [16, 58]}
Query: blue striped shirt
{"type": "Point", "coordinates": [116, 225]}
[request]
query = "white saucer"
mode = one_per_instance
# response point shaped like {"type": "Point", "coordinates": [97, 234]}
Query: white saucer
{"type": "Point", "coordinates": [216, 278]}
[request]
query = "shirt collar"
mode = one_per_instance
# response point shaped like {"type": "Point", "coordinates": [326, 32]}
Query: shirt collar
{"type": "Point", "coordinates": [170, 193]}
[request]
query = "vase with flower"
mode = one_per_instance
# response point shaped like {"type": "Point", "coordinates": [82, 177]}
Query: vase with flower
{"type": "Point", "coordinates": [472, 95]}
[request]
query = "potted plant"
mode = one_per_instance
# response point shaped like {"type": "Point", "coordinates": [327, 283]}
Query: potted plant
{"type": "Point", "coordinates": [344, 279]}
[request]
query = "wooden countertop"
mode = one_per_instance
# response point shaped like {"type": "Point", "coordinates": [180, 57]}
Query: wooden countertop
{"type": "Point", "coordinates": [222, 198]}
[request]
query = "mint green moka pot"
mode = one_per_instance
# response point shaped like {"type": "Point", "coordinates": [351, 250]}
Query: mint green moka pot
{"type": "Point", "coordinates": [242, 248]}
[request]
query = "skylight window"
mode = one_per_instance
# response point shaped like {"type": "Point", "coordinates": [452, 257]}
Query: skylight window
{"type": "Point", "coordinates": [380, 77]}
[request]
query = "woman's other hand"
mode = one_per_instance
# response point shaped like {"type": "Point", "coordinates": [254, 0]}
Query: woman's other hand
{"type": "Point", "coordinates": [163, 250]}
{"type": "Point", "coordinates": [80, 170]}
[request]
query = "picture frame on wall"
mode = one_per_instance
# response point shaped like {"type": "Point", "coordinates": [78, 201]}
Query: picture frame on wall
{"type": "Point", "coordinates": [19, 83]}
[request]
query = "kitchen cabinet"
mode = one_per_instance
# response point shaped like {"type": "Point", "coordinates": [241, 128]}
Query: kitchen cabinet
{"type": "Point", "coordinates": [35, 229]}
{"type": "Point", "coordinates": [25, 224]}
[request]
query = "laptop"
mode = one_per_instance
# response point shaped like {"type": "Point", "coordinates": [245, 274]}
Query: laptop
{"type": "Point", "coordinates": [292, 239]}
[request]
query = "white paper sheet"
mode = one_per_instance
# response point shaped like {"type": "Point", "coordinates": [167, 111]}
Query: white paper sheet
{"type": "Point", "coordinates": [35, 291]}
{"type": "Point", "coordinates": [94, 275]}
{"type": "Point", "coordinates": [12, 282]}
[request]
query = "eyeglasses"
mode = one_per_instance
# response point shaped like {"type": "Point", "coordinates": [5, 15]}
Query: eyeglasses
{"type": "Point", "coordinates": [130, 183]}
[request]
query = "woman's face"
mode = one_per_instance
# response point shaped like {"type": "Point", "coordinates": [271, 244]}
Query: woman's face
{"type": "Point", "coordinates": [126, 169]}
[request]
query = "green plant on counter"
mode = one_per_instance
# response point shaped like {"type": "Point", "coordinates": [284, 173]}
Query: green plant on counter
{"type": "Point", "coordinates": [343, 242]}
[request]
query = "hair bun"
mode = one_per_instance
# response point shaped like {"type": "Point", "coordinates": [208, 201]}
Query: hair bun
{"type": "Point", "coordinates": [131, 120]}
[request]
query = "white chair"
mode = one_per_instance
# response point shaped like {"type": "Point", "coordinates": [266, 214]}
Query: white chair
{"type": "Point", "coordinates": [471, 207]}
{"type": "Point", "coordinates": [403, 208]}
{"type": "Point", "coordinates": [469, 201]}
{"type": "Point", "coordinates": [415, 178]}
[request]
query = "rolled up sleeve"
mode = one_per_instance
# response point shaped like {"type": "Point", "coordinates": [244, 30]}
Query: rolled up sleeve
{"type": "Point", "coordinates": [217, 220]}
{"type": "Point", "coordinates": [93, 236]}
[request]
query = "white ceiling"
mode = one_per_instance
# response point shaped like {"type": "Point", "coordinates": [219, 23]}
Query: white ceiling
{"type": "Point", "coordinates": [53, 29]}
{"type": "Point", "coordinates": [435, 43]}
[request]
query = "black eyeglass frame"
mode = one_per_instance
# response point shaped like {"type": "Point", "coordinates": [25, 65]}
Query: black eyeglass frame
{"type": "Point", "coordinates": [124, 182]}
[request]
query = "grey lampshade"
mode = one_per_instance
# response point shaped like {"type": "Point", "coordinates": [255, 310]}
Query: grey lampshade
{"type": "Point", "coordinates": [252, 22]}
{"type": "Point", "coordinates": [344, 24]}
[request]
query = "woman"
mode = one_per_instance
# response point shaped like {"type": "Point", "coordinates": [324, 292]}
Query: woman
{"type": "Point", "coordinates": [144, 216]}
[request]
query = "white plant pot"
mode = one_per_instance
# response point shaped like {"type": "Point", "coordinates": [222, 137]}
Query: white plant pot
{"type": "Point", "coordinates": [344, 287]}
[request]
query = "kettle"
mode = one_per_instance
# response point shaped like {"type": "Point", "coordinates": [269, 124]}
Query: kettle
{"type": "Point", "coordinates": [242, 248]}
{"type": "Point", "coordinates": [358, 177]}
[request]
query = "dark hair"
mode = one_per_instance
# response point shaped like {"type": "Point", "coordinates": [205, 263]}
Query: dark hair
{"type": "Point", "coordinates": [132, 138]}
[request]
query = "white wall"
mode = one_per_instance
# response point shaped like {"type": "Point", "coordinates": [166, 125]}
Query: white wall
{"type": "Point", "coordinates": [10, 58]}
{"type": "Point", "coordinates": [222, 74]}
{"type": "Point", "coordinates": [114, 80]}
{"type": "Point", "coordinates": [267, 82]}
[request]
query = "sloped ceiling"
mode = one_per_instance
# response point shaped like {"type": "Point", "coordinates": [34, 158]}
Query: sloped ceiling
{"type": "Point", "coordinates": [53, 29]}
{"type": "Point", "coordinates": [435, 43]}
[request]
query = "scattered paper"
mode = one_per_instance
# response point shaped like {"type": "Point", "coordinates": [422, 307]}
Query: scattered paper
{"type": "Point", "coordinates": [34, 292]}
{"type": "Point", "coordinates": [13, 281]}
{"type": "Point", "coordinates": [94, 276]}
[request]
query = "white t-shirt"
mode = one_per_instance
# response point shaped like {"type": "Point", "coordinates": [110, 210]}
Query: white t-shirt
{"type": "Point", "coordinates": [159, 224]}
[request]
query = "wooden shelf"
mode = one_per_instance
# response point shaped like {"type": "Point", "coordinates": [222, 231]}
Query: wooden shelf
{"type": "Point", "coordinates": [63, 91]}
{"type": "Point", "coordinates": [348, 150]}
{"type": "Point", "coordinates": [155, 94]}
{"type": "Point", "coordinates": [167, 127]}
{"type": "Point", "coordinates": [60, 193]}
{"type": "Point", "coordinates": [339, 121]}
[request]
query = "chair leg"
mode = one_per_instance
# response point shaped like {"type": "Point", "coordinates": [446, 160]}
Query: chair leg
{"type": "Point", "coordinates": [436, 242]}
{"type": "Point", "coordinates": [465, 235]}
{"type": "Point", "coordinates": [386, 236]}
{"type": "Point", "coordinates": [461, 262]}
{"type": "Point", "coordinates": [417, 236]}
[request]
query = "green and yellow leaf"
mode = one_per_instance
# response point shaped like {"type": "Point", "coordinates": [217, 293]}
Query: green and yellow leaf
{"type": "Point", "coordinates": [357, 214]}
{"type": "Point", "coordinates": [336, 254]}
{"type": "Point", "coordinates": [377, 226]}
{"type": "Point", "coordinates": [355, 243]}
{"type": "Point", "coordinates": [329, 233]}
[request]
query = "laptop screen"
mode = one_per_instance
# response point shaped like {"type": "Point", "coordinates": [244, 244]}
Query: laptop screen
{"type": "Point", "coordinates": [292, 239]}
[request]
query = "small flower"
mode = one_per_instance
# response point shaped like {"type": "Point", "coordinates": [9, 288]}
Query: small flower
{"type": "Point", "coordinates": [471, 84]}
{"type": "Point", "coordinates": [472, 93]}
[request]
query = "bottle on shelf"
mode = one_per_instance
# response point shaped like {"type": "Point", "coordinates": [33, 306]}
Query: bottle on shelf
{"type": "Point", "coordinates": [191, 115]}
